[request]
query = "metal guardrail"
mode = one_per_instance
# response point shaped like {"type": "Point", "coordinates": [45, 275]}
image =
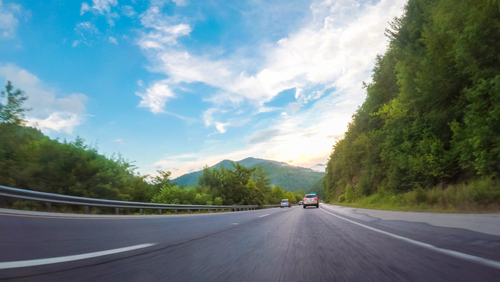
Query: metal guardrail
{"type": "Point", "coordinates": [91, 202]}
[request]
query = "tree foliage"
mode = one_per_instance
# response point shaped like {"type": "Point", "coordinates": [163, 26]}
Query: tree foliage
{"type": "Point", "coordinates": [432, 110]}
{"type": "Point", "coordinates": [12, 111]}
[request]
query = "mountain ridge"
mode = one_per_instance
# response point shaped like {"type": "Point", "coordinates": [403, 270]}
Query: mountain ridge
{"type": "Point", "coordinates": [289, 177]}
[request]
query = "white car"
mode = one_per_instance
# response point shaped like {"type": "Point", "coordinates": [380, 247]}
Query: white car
{"type": "Point", "coordinates": [311, 200]}
{"type": "Point", "coordinates": [285, 203]}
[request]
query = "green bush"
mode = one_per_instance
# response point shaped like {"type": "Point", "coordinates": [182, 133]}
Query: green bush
{"type": "Point", "coordinates": [341, 198]}
{"type": "Point", "coordinates": [433, 196]}
{"type": "Point", "coordinates": [349, 194]}
{"type": "Point", "coordinates": [218, 201]}
{"type": "Point", "coordinates": [420, 195]}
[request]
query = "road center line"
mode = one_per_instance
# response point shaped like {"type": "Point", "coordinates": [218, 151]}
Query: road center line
{"type": "Point", "coordinates": [264, 215]}
{"type": "Point", "coordinates": [483, 261]}
{"type": "Point", "coordinates": [35, 262]}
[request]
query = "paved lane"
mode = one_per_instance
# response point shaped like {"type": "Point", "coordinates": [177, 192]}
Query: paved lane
{"type": "Point", "coordinates": [287, 245]}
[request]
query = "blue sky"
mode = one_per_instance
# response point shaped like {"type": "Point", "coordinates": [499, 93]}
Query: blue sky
{"type": "Point", "coordinates": [175, 85]}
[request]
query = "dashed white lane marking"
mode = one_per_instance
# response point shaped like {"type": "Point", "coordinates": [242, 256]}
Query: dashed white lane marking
{"type": "Point", "coordinates": [234, 223]}
{"type": "Point", "coordinates": [483, 261]}
{"type": "Point", "coordinates": [264, 215]}
{"type": "Point", "coordinates": [35, 262]}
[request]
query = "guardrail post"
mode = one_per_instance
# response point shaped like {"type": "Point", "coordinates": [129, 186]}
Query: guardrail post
{"type": "Point", "coordinates": [87, 209]}
{"type": "Point", "coordinates": [140, 211]}
{"type": "Point", "coordinates": [49, 207]}
{"type": "Point", "coordinates": [175, 211]}
{"type": "Point", "coordinates": [199, 210]}
{"type": "Point", "coordinates": [159, 211]}
{"type": "Point", "coordinates": [189, 211]}
{"type": "Point", "coordinates": [2, 202]}
{"type": "Point", "coordinates": [117, 211]}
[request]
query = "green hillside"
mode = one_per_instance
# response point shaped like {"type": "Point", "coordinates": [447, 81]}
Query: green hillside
{"type": "Point", "coordinates": [288, 177]}
{"type": "Point", "coordinates": [428, 133]}
{"type": "Point", "coordinates": [291, 178]}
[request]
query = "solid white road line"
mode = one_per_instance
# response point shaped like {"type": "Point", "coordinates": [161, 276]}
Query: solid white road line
{"type": "Point", "coordinates": [264, 215]}
{"type": "Point", "coordinates": [34, 262]}
{"type": "Point", "coordinates": [483, 261]}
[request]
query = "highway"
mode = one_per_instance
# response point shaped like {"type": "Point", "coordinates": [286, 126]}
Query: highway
{"type": "Point", "coordinates": [290, 244]}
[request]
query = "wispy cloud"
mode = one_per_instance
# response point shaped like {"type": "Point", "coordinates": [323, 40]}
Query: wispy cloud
{"type": "Point", "coordinates": [155, 97]}
{"type": "Point", "coordinates": [121, 141]}
{"type": "Point", "coordinates": [325, 61]}
{"type": "Point", "coordinates": [180, 2]}
{"type": "Point", "coordinates": [128, 11]}
{"type": "Point", "coordinates": [103, 7]}
{"type": "Point", "coordinates": [99, 6]}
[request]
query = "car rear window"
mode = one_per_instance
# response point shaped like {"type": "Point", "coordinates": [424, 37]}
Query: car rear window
{"type": "Point", "coordinates": [284, 201]}
{"type": "Point", "coordinates": [311, 196]}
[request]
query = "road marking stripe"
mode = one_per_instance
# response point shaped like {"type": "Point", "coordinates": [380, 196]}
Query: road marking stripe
{"type": "Point", "coordinates": [264, 215]}
{"type": "Point", "coordinates": [35, 262]}
{"type": "Point", "coordinates": [483, 261]}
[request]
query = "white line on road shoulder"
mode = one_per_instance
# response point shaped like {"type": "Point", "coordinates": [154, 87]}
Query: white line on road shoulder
{"type": "Point", "coordinates": [35, 262]}
{"type": "Point", "coordinates": [264, 215]}
{"type": "Point", "coordinates": [483, 261]}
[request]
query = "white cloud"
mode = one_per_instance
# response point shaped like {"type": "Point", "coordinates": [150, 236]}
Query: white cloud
{"type": "Point", "coordinates": [8, 20]}
{"type": "Point", "coordinates": [100, 6]}
{"type": "Point", "coordinates": [49, 113]}
{"type": "Point", "coordinates": [86, 30]}
{"type": "Point", "coordinates": [113, 40]}
{"type": "Point", "coordinates": [57, 121]}
{"type": "Point", "coordinates": [163, 37]}
{"type": "Point", "coordinates": [85, 7]}
{"type": "Point", "coordinates": [320, 53]}
{"type": "Point", "coordinates": [328, 58]}
{"type": "Point", "coordinates": [155, 97]}
{"type": "Point", "coordinates": [86, 27]}
{"type": "Point", "coordinates": [128, 11]}
{"type": "Point", "coordinates": [221, 127]}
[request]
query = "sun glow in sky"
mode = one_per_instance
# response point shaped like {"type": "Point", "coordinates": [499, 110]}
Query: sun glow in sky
{"type": "Point", "coordinates": [176, 85]}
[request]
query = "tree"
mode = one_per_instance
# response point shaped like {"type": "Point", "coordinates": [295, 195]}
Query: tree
{"type": "Point", "coordinates": [254, 195]}
{"type": "Point", "coordinates": [12, 111]}
{"type": "Point", "coordinates": [431, 113]}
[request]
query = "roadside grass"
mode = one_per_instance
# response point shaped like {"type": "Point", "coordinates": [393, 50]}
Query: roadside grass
{"type": "Point", "coordinates": [480, 196]}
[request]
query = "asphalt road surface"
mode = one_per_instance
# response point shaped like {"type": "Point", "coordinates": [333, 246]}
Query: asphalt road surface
{"type": "Point", "coordinates": [289, 244]}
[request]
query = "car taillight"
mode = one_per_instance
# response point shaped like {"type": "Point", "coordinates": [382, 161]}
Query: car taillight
{"type": "Point", "coordinates": [316, 198]}
{"type": "Point", "coordinates": [305, 199]}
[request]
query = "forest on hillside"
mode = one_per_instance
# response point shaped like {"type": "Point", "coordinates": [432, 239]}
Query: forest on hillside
{"type": "Point", "coordinates": [287, 177]}
{"type": "Point", "coordinates": [30, 160]}
{"type": "Point", "coordinates": [428, 132]}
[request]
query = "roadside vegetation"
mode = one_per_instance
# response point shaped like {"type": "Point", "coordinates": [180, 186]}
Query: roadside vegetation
{"type": "Point", "coordinates": [30, 160]}
{"type": "Point", "coordinates": [427, 137]}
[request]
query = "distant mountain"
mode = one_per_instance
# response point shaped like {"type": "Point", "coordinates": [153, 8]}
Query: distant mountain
{"type": "Point", "coordinates": [289, 177]}
{"type": "Point", "coordinates": [319, 168]}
